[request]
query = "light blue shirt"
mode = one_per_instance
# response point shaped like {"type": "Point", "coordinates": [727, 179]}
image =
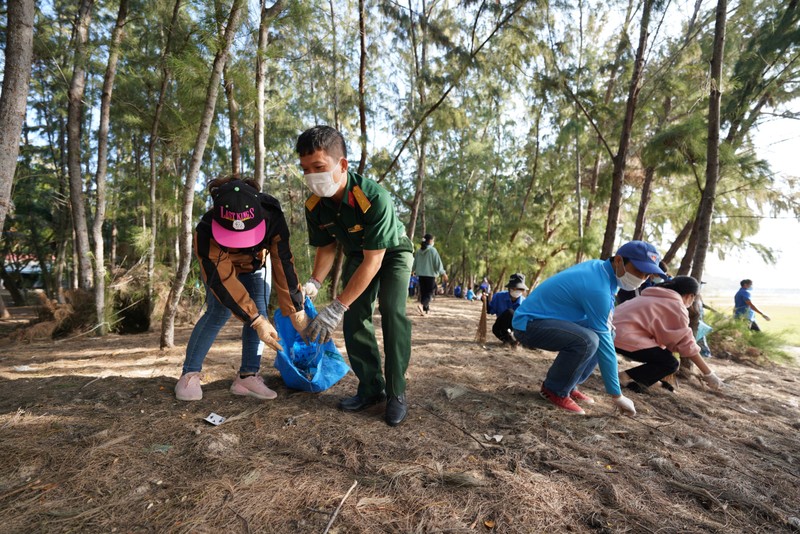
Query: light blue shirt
{"type": "Point", "coordinates": [583, 294]}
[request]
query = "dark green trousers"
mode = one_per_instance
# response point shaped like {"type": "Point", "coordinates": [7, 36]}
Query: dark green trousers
{"type": "Point", "coordinates": [390, 287]}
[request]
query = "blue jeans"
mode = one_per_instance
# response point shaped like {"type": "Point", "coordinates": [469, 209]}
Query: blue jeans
{"type": "Point", "coordinates": [215, 317]}
{"type": "Point", "coordinates": [576, 347]}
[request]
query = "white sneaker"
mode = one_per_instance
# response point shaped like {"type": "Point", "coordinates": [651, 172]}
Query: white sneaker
{"type": "Point", "coordinates": [252, 386]}
{"type": "Point", "coordinates": [188, 387]}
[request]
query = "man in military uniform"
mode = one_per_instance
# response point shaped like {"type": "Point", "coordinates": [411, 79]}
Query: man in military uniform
{"type": "Point", "coordinates": [359, 214]}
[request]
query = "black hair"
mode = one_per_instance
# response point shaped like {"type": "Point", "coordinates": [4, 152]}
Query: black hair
{"type": "Point", "coordinates": [321, 137]}
{"type": "Point", "coordinates": [745, 282]}
{"type": "Point", "coordinates": [682, 285]}
{"type": "Point", "coordinates": [426, 241]}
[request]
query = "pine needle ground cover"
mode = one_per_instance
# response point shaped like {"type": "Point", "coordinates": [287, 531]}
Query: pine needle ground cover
{"type": "Point", "coordinates": [93, 440]}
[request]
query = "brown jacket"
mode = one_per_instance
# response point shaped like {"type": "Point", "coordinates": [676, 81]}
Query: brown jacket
{"type": "Point", "coordinates": [220, 265]}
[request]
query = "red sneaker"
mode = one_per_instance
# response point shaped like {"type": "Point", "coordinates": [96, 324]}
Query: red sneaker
{"type": "Point", "coordinates": [562, 402]}
{"type": "Point", "coordinates": [581, 397]}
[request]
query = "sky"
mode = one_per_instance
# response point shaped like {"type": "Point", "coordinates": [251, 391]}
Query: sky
{"type": "Point", "coordinates": [777, 142]}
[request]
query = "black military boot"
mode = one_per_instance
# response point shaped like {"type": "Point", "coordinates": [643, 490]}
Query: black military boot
{"type": "Point", "coordinates": [396, 409]}
{"type": "Point", "coordinates": [358, 403]}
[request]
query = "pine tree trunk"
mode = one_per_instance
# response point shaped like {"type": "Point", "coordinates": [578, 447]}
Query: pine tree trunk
{"type": "Point", "coordinates": [706, 210]}
{"type": "Point", "coordinates": [267, 14]}
{"type": "Point", "coordinates": [621, 157]}
{"type": "Point", "coordinates": [184, 261]}
{"type": "Point", "coordinates": [649, 175]}
{"type": "Point", "coordinates": [233, 120]}
{"type": "Point", "coordinates": [102, 167]}
{"type": "Point", "coordinates": [616, 66]}
{"type": "Point", "coordinates": [362, 74]}
{"type": "Point", "coordinates": [74, 113]}
{"type": "Point", "coordinates": [16, 78]}
{"type": "Point", "coordinates": [678, 242]}
{"type": "Point", "coordinates": [166, 75]}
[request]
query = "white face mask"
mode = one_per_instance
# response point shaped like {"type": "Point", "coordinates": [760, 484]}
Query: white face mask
{"type": "Point", "coordinates": [322, 184]}
{"type": "Point", "coordinates": [628, 281]}
{"type": "Point", "coordinates": [515, 293]}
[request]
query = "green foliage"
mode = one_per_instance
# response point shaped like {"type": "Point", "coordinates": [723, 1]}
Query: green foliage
{"type": "Point", "coordinates": [525, 119]}
{"type": "Point", "coordinates": [733, 337]}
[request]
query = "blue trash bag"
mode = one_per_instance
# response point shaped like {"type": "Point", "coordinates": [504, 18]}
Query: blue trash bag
{"type": "Point", "coordinates": [307, 366]}
{"type": "Point", "coordinates": [702, 330]}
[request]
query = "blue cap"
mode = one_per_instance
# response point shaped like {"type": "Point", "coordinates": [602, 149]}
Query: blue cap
{"type": "Point", "coordinates": [643, 256]}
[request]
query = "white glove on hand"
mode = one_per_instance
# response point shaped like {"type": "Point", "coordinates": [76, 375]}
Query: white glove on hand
{"type": "Point", "coordinates": [266, 332]}
{"type": "Point", "coordinates": [713, 381]}
{"type": "Point", "coordinates": [766, 317]}
{"type": "Point", "coordinates": [311, 289]}
{"type": "Point", "coordinates": [326, 322]}
{"type": "Point", "coordinates": [625, 405]}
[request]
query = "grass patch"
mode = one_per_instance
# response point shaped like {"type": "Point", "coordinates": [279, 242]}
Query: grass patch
{"type": "Point", "coordinates": [734, 338]}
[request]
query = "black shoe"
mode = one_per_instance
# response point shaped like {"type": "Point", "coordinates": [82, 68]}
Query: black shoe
{"type": "Point", "coordinates": [358, 403]}
{"type": "Point", "coordinates": [396, 409]}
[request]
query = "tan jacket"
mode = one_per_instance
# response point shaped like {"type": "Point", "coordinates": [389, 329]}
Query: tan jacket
{"type": "Point", "coordinates": [220, 266]}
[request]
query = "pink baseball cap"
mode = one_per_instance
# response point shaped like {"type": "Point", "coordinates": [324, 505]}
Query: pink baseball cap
{"type": "Point", "coordinates": [237, 220]}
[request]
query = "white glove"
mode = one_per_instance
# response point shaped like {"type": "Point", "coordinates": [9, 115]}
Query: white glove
{"type": "Point", "coordinates": [625, 405]}
{"type": "Point", "coordinates": [713, 381]}
{"type": "Point", "coordinates": [766, 317]}
{"type": "Point", "coordinates": [311, 289]}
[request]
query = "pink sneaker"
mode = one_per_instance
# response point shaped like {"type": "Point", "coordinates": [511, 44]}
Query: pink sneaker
{"type": "Point", "coordinates": [252, 386]}
{"type": "Point", "coordinates": [188, 387]}
{"type": "Point", "coordinates": [581, 397]}
{"type": "Point", "coordinates": [565, 403]}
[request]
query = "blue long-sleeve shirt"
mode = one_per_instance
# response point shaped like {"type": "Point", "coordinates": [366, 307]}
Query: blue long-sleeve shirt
{"type": "Point", "coordinates": [502, 301]}
{"type": "Point", "coordinates": [584, 295]}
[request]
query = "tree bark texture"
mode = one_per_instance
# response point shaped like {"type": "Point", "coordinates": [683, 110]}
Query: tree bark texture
{"type": "Point", "coordinates": [362, 74]}
{"type": "Point", "coordinates": [102, 168]}
{"type": "Point", "coordinates": [184, 261]}
{"type": "Point", "coordinates": [267, 14]}
{"type": "Point", "coordinates": [74, 118]}
{"type": "Point", "coordinates": [233, 120]}
{"type": "Point", "coordinates": [621, 157]}
{"type": "Point", "coordinates": [166, 76]}
{"type": "Point", "coordinates": [706, 210]}
{"type": "Point", "coordinates": [16, 78]}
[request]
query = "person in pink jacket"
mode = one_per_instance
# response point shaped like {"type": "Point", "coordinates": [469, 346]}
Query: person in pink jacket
{"type": "Point", "coordinates": [654, 326]}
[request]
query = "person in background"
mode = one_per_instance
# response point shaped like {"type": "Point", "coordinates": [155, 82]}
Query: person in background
{"type": "Point", "coordinates": [232, 243]}
{"type": "Point", "coordinates": [571, 313]}
{"type": "Point", "coordinates": [427, 266]}
{"type": "Point", "coordinates": [484, 286]}
{"type": "Point", "coordinates": [503, 305]}
{"type": "Point", "coordinates": [743, 307]}
{"type": "Point", "coordinates": [457, 291]}
{"type": "Point", "coordinates": [360, 215]}
{"type": "Point", "coordinates": [470, 294]}
{"type": "Point", "coordinates": [654, 326]}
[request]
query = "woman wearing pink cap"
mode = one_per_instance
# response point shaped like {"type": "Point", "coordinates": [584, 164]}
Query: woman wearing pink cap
{"type": "Point", "coordinates": [232, 242]}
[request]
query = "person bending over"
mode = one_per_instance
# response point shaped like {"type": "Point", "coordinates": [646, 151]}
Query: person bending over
{"type": "Point", "coordinates": [654, 326]}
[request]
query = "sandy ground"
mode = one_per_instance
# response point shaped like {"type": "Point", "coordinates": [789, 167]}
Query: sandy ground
{"type": "Point", "coordinates": [92, 440]}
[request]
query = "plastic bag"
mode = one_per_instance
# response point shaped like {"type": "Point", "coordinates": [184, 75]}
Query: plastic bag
{"type": "Point", "coordinates": [702, 331]}
{"type": "Point", "coordinates": [307, 366]}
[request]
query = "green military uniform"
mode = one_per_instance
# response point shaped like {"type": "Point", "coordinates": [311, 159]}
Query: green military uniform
{"type": "Point", "coordinates": [366, 220]}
